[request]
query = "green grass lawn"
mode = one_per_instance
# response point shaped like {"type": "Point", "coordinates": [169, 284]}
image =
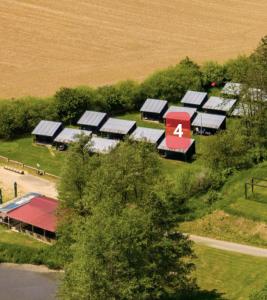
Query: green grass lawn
{"type": "Point", "coordinates": [233, 275]}
{"type": "Point", "coordinates": [19, 239]}
{"type": "Point", "coordinates": [24, 150]}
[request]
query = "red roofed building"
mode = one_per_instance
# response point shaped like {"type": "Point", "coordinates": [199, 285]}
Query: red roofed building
{"type": "Point", "coordinates": [36, 216]}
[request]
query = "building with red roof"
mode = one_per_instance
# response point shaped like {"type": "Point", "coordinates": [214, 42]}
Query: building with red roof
{"type": "Point", "coordinates": [32, 213]}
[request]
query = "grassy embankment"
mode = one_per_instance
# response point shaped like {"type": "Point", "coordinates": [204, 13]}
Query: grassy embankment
{"type": "Point", "coordinates": [233, 217]}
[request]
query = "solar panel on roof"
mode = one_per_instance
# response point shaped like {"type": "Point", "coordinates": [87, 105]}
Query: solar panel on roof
{"type": "Point", "coordinates": [92, 118]}
{"type": "Point", "coordinates": [69, 135]}
{"type": "Point", "coordinates": [46, 128]}
{"type": "Point", "coordinates": [232, 88]}
{"type": "Point", "coordinates": [117, 126]}
{"type": "Point", "coordinates": [102, 145]}
{"type": "Point", "coordinates": [15, 203]}
{"type": "Point", "coordinates": [208, 120]}
{"type": "Point", "coordinates": [190, 110]}
{"type": "Point", "coordinates": [150, 135]}
{"type": "Point", "coordinates": [163, 146]}
{"type": "Point", "coordinates": [154, 106]}
{"type": "Point", "coordinates": [220, 104]}
{"type": "Point", "coordinates": [194, 98]}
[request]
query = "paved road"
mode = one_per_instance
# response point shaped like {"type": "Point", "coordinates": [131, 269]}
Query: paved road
{"type": "Point", "coordinates": [229, 246]}
{"type": "Point", "coordinates": [27, 183]}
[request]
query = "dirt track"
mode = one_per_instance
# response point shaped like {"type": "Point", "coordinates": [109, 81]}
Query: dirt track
{"type": "Point", "coordinates": [26, 183]}
{"type": "Point", "coordinates": [46, 44]}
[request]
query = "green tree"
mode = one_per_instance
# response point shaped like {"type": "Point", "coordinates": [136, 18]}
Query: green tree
{"type": "Point", "coordinates": [236, 70]}
{"type": "Point", "coordinates": [172, 83]}
{"type": "Point", "coordinates": [72, 103]}
{"type": "Point", "coordinates": [259, 295]}
{"type": "Point", "coordinates": [212, 72]}
{"type": "Point", "coordinates": [124, 242]}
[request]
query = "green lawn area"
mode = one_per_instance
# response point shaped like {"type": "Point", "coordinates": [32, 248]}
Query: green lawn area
{"type": "Point", "coordinates": [233, 275]}
{"type": "Point", "coordinates": [24, 150]}
{"type": "Point", "coordinates": [18, 239]}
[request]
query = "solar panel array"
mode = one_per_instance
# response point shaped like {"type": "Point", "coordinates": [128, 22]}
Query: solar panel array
{"type": "Point", "coordinates": [219, 104]}
{"type": "Point", "coordinates": [190, 110]}
{"type": "Point", "coordinates": [194, 98]}
{"type": "Point", "coordinates": [211, 121]}
{"type": "Point", "coordinates": [117, 126]}
{"type": "Point", "coordinates": [150, 135]}
{"type": "Point", "coordinates": [71, 135]}
{"type": "Point", "coordinates": [154, 106]}
{"type": "Point", "coordinates": [92, 118]}
{"type": "Point", "coordinates": [47, 128]}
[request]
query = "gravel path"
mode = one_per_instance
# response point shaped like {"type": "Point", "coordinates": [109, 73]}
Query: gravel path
{"type": "Point", "coordinates": [229, 246]}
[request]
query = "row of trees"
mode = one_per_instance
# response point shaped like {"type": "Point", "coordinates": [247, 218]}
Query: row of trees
{"type": "Point", "coordinates": [18, 117]}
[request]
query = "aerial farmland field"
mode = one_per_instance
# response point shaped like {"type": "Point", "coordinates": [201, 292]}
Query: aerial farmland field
{"type": "Point", "coordinates": [47, 44]}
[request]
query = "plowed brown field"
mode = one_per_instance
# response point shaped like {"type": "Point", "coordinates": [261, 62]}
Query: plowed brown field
{"type": "Point", "coordinates": [45, 44]}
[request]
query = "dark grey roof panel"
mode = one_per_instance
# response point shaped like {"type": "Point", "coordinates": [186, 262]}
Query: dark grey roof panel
{"type": "Point", "coordinates": [150, 135]}
{"type": "Point", "coordinates": [220, 104]}
{"type": "Point", "coordinates": [46, 128]}
{"type": "Point", "coordinates": [194, 98]}
{"type": "Point", "coordinates": [153, 106]}
{"type": "Point", "coordinates": [92, 118]}
{"type": "Point", "coordinates": [190, 110]}
{"type": "Point", "coordinates": [232, 88]}
{"type": "Point", "coordinates": [117, 126]}
{"type": "Point", "coordinates": [102, 145]}
{"type": "Point", "coordinates": [208, 120]}
{"type": "Point", "coordinates": [70, 135]}
{"type": "Point", "coordinates": [163, 146]}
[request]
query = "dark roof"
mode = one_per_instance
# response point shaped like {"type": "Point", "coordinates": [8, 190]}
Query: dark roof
{"type": "Point", "coordinates": [39, 211]}
{"type": "Point", "coordinates": [117, 126]}
{"type": "Point", "coordinates": [70, 135]}
{"type": "Point", "coordinates": [102, 145]}
{"type": "Point", "coordinates": [92, 118]}
{"type": "Point", "coordinates": [154, 106]}
{"type": "Point", "coordinates": [150, 135]}
{"type": "Point", "coordinates": [163, 146]}
{"type": "Point", "coordinates": [194, 98]}
{"type": "Point", "coordinates": [190, 110]}
{"type": "Point", "coordinates": [220, 104]}
{"type": "Point", "coordinates": [232, 88]}
{"type": "Point", "coordinates": [47, 128]}
{"type": "Point", "coordinates": [208, 120]}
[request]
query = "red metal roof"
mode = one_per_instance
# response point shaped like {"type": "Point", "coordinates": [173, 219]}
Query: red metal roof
{"type": "Point", "coordinates": [39, 212]}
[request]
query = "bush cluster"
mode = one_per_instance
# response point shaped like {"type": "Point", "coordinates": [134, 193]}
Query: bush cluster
{"type": "Point", "coordinates": [20, 116]}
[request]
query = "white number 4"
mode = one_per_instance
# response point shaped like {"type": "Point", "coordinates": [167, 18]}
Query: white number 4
{"type": "Point", "coordinates": [178, 130]}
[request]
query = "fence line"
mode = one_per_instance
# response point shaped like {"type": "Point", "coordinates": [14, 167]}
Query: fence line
{"type": "Point", "coordinates": [24, 166]}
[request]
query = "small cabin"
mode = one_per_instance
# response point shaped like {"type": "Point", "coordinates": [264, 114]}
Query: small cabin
{"type": "Point", "coordinates": [70, 135]}
{"type": "Point", "coordinates": [102, 145]}
{"type": "Point", "coordinates": [150, 135]}
{"type": "Point", "coordinates": [194, 99]}
{"type": "Point", "coordinates": [117, 128]}
{"type": "Point", "coordinates": [218, 105]}
{"type": "Point", "coordinates": [207, 124]}
{"type": "Point", "coordinates": [178, 154]}
{"type": "Point", "coordinates": [154, 109]}
{"type": "Point", "coordinates": [232, 89]}
{"type": "Point", "coordinates": [92, 120]}
{"type": "Point", "coordinates": [191, 111]}
{"type": "Point", "coordinates": [46, 131]}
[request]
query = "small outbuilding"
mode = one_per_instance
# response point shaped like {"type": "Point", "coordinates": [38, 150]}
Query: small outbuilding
{"type": "Point", "coordinates": [192, 111]}
{"type": "Point", "coordinates": [117, 128]}
{"type": "Point", "coordinates": [154, 109]}
{"type": "Point", "coordinates": [46, 131]}
{"type": "Point", "coordinates": [150, 135]}
{"type": "Point", "coordinates": [232, 89]}
{"type": "Point", "coordinates": [208, 123]}
{"type": "Point", "coordinates": [194, 99]}
{"type": "Point", "coordinates": [179, 154]}
{"type": "Point", "coordinates": [92, 120]}
{"type": "Point", "coordinates": [218, 105]}
{"type": "Point", "coordinates": [70, 135]}
{"type": "Point", "coordinates": [102, 145]}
